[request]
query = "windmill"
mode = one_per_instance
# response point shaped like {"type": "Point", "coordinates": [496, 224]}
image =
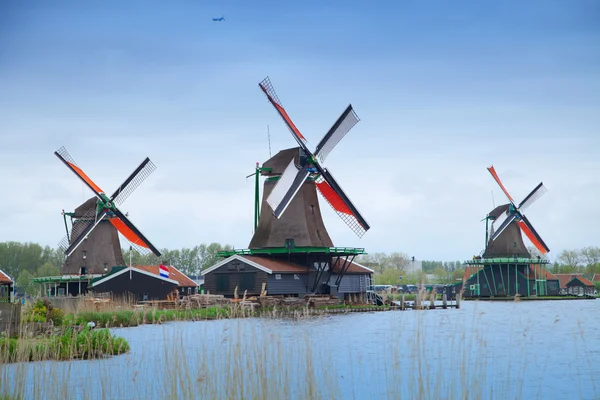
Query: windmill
{"type": "Point", "coordinates": [293, 176]}
{"type": "Point", "coordinates": [506, 239]}
{"type": "Point", "coordinates": [92, 246]}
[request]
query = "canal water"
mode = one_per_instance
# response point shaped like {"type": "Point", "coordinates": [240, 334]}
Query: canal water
{"type": "Point", "coordinates": [487, 350]}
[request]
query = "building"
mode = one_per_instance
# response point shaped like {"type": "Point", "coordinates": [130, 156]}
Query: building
{"type": "Point", "coordinates": [508, 277]}
{"type": "Point", "coordinates": [259, 274]}
{"type": "Point", "coordinates": [185, 285]}
{"type": "Point", "coordinates": [143, 283]}
{"type": "Point", "coordinates": [576, 285]}
{"type": "Point", "coordinates": [134, 283]}
{"type": "Point", "coordinates": [6, 288]}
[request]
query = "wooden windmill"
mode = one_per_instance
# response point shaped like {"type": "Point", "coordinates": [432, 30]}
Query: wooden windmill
{"type": "Point", "coordinates": [290, 208]}
{"type": "Point", "coordinates": [93, 244]}
{"type": "Point", "coordinates": [509, 221]}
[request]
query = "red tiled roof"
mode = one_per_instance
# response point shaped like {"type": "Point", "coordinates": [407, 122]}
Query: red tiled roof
{"type": "Point", "coordinates": [535, 271]}
{"type": "Point", "coordinates": [353, 268]}
{"type": "Point", "coordinates": [4, 278]}
{"type": "Point", "coordinates": [174, 274]}
{"type": "Point", "coordinates": [289, 267]}
{"type": "Point", "coordinates": [583, 280]}
{"type": "Point", "coordinates": [471, 270]}
{"type": "Point", "coordinates": [566, 278]}
{"type": "Point", "coordinates": [596, 278]}
{"type": "Point", "coordinates": [276, 265]}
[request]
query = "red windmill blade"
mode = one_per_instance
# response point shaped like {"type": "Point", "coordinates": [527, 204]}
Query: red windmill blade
{"type": "Point", "coordinates": [294, 176]}
{"type": "Point", "coordinates": [515, 213]}
{"type": "Point", "coordinates": [105, 207]}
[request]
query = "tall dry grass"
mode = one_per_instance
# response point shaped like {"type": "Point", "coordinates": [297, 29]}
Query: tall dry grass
{"type": "Point", "coordinates": [392, 355]}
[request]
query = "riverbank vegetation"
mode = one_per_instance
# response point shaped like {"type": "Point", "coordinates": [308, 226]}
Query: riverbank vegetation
{"type": "Point", "coordinates": [70, 344]}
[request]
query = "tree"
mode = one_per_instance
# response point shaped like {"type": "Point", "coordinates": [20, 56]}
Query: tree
{"type": "Point", "coordinates": [442, 275]}
{"type": "Point", "coordinates": [375, 261]}
{"type": "Point", "coordinates": [47, 270]}
{"type": "Point", "coordinates": [397, 261]}
{"type": "Point", "coordinates": [209, 254]}
{"type": "Point", "coordinates": [569, 260]}
{"type": "Point", "coordinates": [590, 257]}
{"type": "Point", "coordinates": [24, 285]}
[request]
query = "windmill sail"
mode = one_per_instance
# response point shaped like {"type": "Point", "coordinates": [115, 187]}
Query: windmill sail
{"type": "Point", "coordinates": [291, 180]}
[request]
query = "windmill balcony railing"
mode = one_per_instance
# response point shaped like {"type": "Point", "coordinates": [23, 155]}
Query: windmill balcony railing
{"type": "Point", "coordinates": [341, 251]}
{"type": "Point", "coordinates": [506, 260]}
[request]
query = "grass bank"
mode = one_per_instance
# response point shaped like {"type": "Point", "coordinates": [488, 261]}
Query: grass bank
{"type": "Point", "coordinates": [69, 345]}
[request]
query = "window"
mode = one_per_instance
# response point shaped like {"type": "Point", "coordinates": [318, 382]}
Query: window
{"type": "Point", "coordinates": [189, 290]}
{"type": "Point", "coordinates": [296, 276]}
{"type": "Point", "coordinates": [222, 282]}
{"type": "Point", "coordinates": [277, 276]}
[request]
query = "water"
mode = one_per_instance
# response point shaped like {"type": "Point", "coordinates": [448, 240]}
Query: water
{"type": "Point", "coordinates": [524, 349]}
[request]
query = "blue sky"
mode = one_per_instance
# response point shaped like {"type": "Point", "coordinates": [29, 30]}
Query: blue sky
{"type": "Point", "coordinates": [443, 90]}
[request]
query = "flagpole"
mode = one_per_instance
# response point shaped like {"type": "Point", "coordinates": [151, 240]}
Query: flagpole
{"type": "Point", "coordinates": [130, 264]}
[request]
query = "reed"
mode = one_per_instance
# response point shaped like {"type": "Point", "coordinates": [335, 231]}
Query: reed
{"type": "Point", "coordinates": [304, 356]}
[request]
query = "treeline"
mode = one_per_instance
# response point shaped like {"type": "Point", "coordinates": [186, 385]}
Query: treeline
{"type": "Point", "coordinates": [585, 260]}
{"type": "Point", "coordinates": [450, 266]}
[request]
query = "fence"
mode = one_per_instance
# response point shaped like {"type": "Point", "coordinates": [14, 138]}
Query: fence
{"type": "Point", "coordinates": [10, 318]}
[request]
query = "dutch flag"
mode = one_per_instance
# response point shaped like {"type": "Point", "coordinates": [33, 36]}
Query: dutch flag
{"type": "Point", "coordinates": [163, 270]}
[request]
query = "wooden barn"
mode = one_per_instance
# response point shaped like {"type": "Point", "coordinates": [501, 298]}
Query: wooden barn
{"type": "Point", "coordinates": [285, 278]}
{"type": "Point", "coordinates": [575, 285]}
{"type": "Point", "coordinates": [6, 288]}
{"type": "Point", "coordinates": [136, 282]}
{"type": "Point", "coordinates": [185, 285]}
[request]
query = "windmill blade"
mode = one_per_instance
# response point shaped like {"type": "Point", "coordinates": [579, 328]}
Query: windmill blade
{"type": "Point", "coordinates": [337, 199]}
{"type": "Point", "coordinates": [133, 181]}
{"type": "Point", "coordinates": [342, 126]}
{"type": "Point", "coordinates": [533, 196]}
{"type": "Point", "coordinates": [66, 158]}
{"type": "Point", "coordinates": [504, 225]}
{"type": "Point", "coordinates": [268, 89]}
{"type": "Point", "coordinates": [86, 227]}
{"type": "Point", "coordinates": [495, 175]}
{"type": "Point", "coordinates": [78, 226]}
{"type": "Point", "coordinates": [131, 233]}
{"type": "Point", "coordinates": [286, 188]}
{"type": "Point", "coordinates": [500, 219]}
{"type": "Point", "coordinates": [530, 232]}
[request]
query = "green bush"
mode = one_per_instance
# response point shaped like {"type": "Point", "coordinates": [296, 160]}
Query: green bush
{"type": "Point", "coordinates": [57, 316]}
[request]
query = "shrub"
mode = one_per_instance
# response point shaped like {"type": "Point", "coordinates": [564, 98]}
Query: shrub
{"type": "Point", "coordinates": [57, 316]}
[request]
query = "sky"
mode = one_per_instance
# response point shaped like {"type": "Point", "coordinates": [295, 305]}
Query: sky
{"type": "Point", "coordinates": [443, 90]}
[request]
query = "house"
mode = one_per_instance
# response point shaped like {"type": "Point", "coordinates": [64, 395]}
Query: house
{"type": "Point", "coordinates": [6, 288]}
{"type": "Point", "coordinates": [185, 286]}
{"type": "Point", "coordinates": [253, 274]}
{"type": "Point", "coordinates": [139, 283]}
{"type": "Point", "coordinates": [575, 284]}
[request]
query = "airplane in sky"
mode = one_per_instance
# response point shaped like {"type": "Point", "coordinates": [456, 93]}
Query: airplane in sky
{"type": "Point", "coordinates": [219, 19]}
